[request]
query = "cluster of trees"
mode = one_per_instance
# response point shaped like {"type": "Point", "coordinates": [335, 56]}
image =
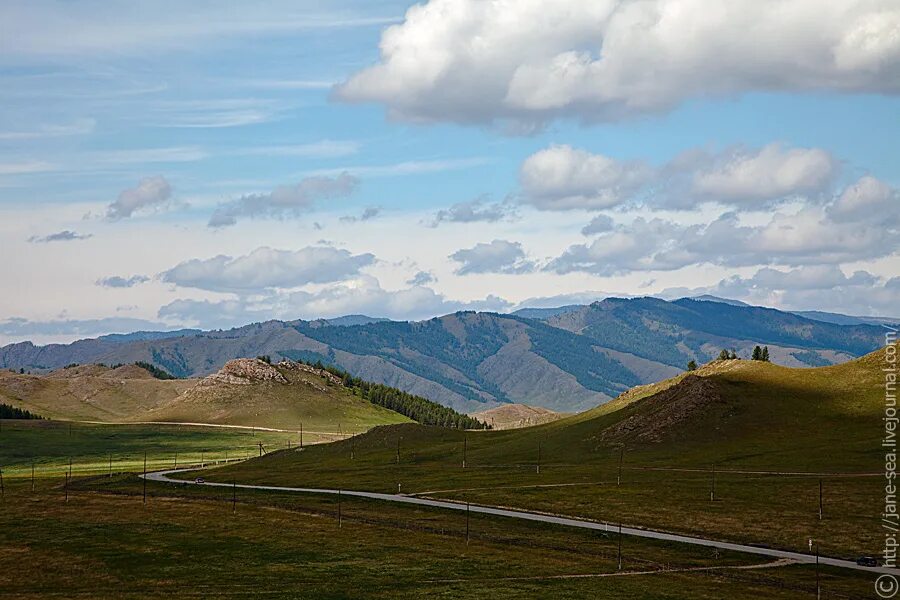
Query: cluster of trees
{"type": "Point", "coordinates": [761, 353]}
{"type": "Point", "coordinates": [416, 408]}
{"type": "Point", "coordinates": [154, 370]}
{"type": "Point", "coordinates": [11, 412]}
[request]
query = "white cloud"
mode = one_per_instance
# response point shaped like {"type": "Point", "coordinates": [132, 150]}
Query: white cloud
{"type": "Point", "coordinates": [868, 198]}
{"type": "Point", "coordinates": [771, 173]}
{"type": "Point", "coordinates": [75, 328]}
{"type": "Point", "coordinates": [813, 235]}
{"type": "Point", "coordinates": [117, 281]}
{"type": "Point", "coordinates": [532, 60]}
{"type": "Point", "coordinates": [499, 256]}
{"type": "Point", "coordinates": [561, 178]}
{"type": "Point", "coordinates": [25, 167]}
{"type": "Point", "coordinates": [77, 127]}
{"type": "Point", "coordinates": [599, 224]}
{"type": "Point", "coordinates": [363, 295]}
{"type": "Point", "coordinates": [816, 287]}
{"type": "Point", "coordinates": [60, 236]}
{"type": "Point", "coordinates": [49, 29]}
{"type": "Point", "coordinates": [421, 278]}
{"type": "Point", "coordinates": [367, 214]}
{"type": "Point", "coordinates": [150, 193]}
{"type": "Point", "coordinates": [478, 210]}
{"type": "Point", "coordinates": [266, 269]}
{"type": "Point", "coordinates": [285, 200]}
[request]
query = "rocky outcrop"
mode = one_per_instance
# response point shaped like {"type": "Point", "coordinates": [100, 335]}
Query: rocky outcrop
{"type": "Point", "coordinates": [656, 416]}
{"type": "Point", "coordinates": [245, 371]}
{"type": "Point", "coordinates": [334, 379]}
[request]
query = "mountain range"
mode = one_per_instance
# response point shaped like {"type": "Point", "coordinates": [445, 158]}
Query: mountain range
{"type": "Point", "coordinates": [566, 359]}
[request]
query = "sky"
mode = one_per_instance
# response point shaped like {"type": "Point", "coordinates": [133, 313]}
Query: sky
{"type": "Point", "coordinates": [209, 164]}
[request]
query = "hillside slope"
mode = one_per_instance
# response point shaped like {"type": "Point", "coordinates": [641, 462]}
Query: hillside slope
{"type": "Point", "coordinates": [737, 414]}
{"type": "Point", "coordinates": [673, 333]}
{"type": "Point", "coordinates": [90, 392]}
{"type": "Point", "coordinates": [252, 392]}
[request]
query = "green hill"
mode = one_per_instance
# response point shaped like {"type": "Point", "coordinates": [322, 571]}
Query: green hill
{"type": "Point", "coordinates": [90, 392]}
{"type": "Point", "coordinates": [251, 392]}
{"type": "Point", "coordinates": [770, 432]}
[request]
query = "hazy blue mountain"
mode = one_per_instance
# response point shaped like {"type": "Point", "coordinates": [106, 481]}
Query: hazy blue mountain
{"type": "Point", "coordinates": [351, 320]}
{"type": "Point", "coordinates": [711, 298]}
{"type": "Point", "coordinates": [471, 361]}
{"type": "Point", "coordinates": [839, 319]}
{"type": "Point", "coordinates": [542, 314]}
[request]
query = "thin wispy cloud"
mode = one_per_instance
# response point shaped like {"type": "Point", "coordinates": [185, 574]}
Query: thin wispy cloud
{"type": "Point", "coordinates": [79, 127]}
{"type": "Point", "coordinates": [60, 236]}
{"type": "Point", "coordinates": [410, 167]}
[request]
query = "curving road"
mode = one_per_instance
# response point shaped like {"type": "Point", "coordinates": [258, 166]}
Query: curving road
{"type": "Point", "coordinates": [163, 477]}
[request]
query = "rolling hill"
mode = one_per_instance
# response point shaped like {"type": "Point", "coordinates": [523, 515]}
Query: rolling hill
{"type": "Point", "coordinates": [90, 392]}
{"type": "Point", "coordinates": [515, 416]}
{"type": "Point", "coordinates": [736, 450]}
{"type": "Point", "coordinates": [252, 392]}
{"type": "Point", "coordinates": [245, 392]}
{"type": "Point", "coordinates": [736, 413]}
{"type": "Point", "coordinates": [565, 361]}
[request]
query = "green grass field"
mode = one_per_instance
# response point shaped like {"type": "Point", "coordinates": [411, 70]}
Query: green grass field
{"type": "Point", "coordinates": [49, 445]}
{"type": "Point", "coordinates": [187, 543]}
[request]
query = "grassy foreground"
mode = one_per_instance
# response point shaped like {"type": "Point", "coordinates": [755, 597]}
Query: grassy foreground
{"type": "Point", "coordinates": [187, 544]}
{"type": "Point", "coordinates": [49, 445]}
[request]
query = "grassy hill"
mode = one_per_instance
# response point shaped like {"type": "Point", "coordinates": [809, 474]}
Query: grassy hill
{"type": "Point", "coordinates": [771, 433]}
{"type": "Point", "coordinates": [90, 392]}
{"type": "Point", "coordinates": [251, 392]}
{"type": "Point", "coordinates": [514, 416]}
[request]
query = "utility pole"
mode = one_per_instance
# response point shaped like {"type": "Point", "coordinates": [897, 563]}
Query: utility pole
{"type": "Point", "coordinates": [260, 449]}
{"type": "Point", "coordinates": [145, 477]}
{"type": "Point", "coordinates": [620, 545]}
{"type": "Point", "coordinates": [67, 488]}
{"type": "Point", "coordinates": [818, 584]}
{"type": "Point", "coordinates": [621, 458]}
{"type": "Point", "coordinates": [538, 469]}
{"type": "Point", "coordinates": [301, 434]}
{"type": "Point", "coordinates": [467, 524]}
{"type": "Point", "coordinates": [821, 512]}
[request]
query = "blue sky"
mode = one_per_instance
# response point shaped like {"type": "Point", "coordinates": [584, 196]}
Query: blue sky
{"type": "Point", "coordinates": [165, 166]}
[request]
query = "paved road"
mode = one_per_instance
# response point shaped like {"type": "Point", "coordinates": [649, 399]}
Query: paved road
{"type": "Point", "coordinates": [163, 476]}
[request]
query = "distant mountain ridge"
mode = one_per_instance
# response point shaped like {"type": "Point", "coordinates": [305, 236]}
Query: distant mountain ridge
{"type": "Point", "coordinates": [570, 360]}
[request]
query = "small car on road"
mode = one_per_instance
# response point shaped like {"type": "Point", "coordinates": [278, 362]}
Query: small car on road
{"type": "Point", "coordinates": [867, 561]}
{"type": "Point", "coordinates": [199, 480]}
